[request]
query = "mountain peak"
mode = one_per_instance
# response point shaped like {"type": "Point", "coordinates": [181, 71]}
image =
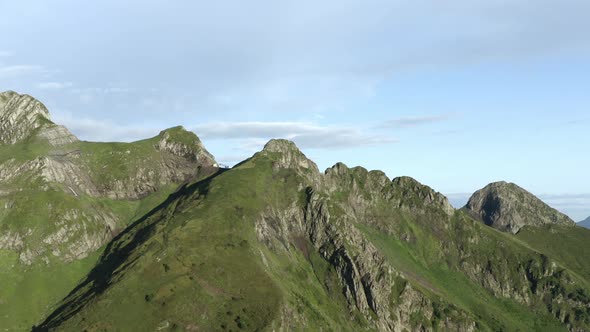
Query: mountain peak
{"type": "Point", "coordinates": [22, 117]}
{"type": "Point", "coordinates": [585, 223]}
{"type": "Point", "coordinates": [508, 207]}
{"type": "Point", "coordinates": [290, 155]}
{"type": "Point", "coordinates": [280, 145]}
{"type": "Point", "coordinates": [181, 142]}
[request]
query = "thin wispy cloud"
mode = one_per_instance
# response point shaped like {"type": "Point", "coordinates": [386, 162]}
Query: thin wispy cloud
{"type": "Point", "coordinates": [4, 54]}
{"type": "Point", "coordinates": [104, 91]}
{"type": "Point", "coordinates": [414, 121]}
{"type": "Point", "coordinates": [306, 135]}
{"type": "Point", "coordinates": [17, 70]}
{"type": "Point", "coordinates": [103, 130]}
{"type": "Point", "coordinates": [575, 122]}
{"type": "Point", "coordinates": [54, 85]}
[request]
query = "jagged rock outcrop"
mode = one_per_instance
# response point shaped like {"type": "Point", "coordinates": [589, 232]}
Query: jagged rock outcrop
{"type": "Point", "coordinates": [178, 142]}
{"type": "Point", "coordinates": [22, 117]}
{"type": "Point", "coordinates": [421, 195]}
{"type": "Point", "coordinates": [289, 156]}
{"type": "Point", "coordinates": [67, 181]}
{"type": "Point", "coordinates": [507, 207]}
{"type": "Point", "coordinates": [368, 279]}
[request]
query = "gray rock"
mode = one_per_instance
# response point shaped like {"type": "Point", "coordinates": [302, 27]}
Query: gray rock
{"type": "Point", "coordinates": [22, 117]}
{"type": "Point", "coordinates": [59, 163]}
{"type": "Point", "coordinates": [508, 207]}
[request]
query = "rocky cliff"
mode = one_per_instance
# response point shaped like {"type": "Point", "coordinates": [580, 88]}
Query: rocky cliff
{"type": "Point", "coordinates": [507, 207]}
{"type": "Point", "coordinates": [22, 118]}
{"type": "Point", "coordinates": [61, 198]}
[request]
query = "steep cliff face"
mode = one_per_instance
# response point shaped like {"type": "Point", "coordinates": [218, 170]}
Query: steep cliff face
{"type": "Point", "coordinates": [507, 207]}
{"type": "Point", "coordinates": [273, 244]}
{"type": "Point", "coordinates": [22, 117]}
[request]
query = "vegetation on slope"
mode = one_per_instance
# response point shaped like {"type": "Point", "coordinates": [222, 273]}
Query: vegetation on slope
{"type": "Point", "coordinates": [62, 200]}
{"type": "Point", "coordinates": [227, 253]}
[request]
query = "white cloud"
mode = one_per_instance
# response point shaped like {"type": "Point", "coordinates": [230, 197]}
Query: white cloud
{"type": "Point", "coordinates": [54, 85]}
{"type": "Point", "coordinates": [245, 137]}
{"type": "Point", "coordinates": [306, 135]}
{"type": "Point", "coordinates": [103, 130]}
{"type": "Point", "coordinates": [5, 54]}
{"type": "Point", "coordinates": [17, 70]}
{"type": "Point", "coordinates": [413, 121]}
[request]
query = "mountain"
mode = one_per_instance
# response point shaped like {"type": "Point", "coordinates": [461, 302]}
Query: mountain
{"type": "Point", "coordinates": [273, 244]}
{"type": "Point", "coordinates": [585, 223]}
{"type": "Point", "coordinates": [61, 199]}
{"type": "Point", "coordinates": [152, 235]}
{"type": "Point", "coordinates": [507, 207]}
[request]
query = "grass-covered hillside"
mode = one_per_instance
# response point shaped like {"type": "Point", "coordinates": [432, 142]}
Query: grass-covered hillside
{"type": "Point", "coordinates": [272, 245]}
{"type": "Point", "coordinates": [62, 200]}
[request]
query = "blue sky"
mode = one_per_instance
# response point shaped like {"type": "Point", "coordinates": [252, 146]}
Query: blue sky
{"type": "Point", "coordinates": [456, 93]}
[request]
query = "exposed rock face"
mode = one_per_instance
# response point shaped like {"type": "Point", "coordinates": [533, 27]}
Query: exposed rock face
{"type": "Point", "coordinates": [507, 207]}
{"type": "Point", "coordinates": [290, 157]}
{"type": "Point", "coordinates": [22, 116]}
{"type": "Point", "coordinates": [423, 194]}
{"type": "Point", "coordinates": [368, 279]}
{"type": "Point", "coordinates": [66, 180]}
{"type": "Point", "coordinates": [190, 148]}
{"type": "Point", "coordinates": [56, 135]}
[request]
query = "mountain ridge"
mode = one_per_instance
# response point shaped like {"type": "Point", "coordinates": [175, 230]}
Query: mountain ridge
{"type": "Point", "coordinates": [335, 230]}
{"type": "Point", "coordinates": [271, 244]}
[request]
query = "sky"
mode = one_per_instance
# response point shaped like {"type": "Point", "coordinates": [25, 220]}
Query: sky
{"type": "Point", "coordinates": [455, 93]}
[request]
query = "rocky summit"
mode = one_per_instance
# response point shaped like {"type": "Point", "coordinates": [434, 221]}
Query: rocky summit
{"type": "Point", "coordinates": [508, 207]}
{"type": "Point", "coordinates": [22, 118]}
{"type": "Point", "coordinates": [152, 236]}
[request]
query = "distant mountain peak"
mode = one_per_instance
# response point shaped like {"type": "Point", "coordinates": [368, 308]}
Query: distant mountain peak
{"type": "Point", "coordinates": [23, 117]}
{"type": "Point", "coordinates": [585, 223]}
{"type": "Point", "coordinates": [508, 207]}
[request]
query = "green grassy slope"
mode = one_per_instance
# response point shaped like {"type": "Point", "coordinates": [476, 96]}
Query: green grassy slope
{"type": "Point", "coordinates": [28, 293]}
{"type": "Point", "coordinates": [440, 279]}
{"type": "Point", "coordinates": [35, 208]}
{"type": "Point", "coordinates": [196, 263]}
{"type": "Point", "coordinates": [570, 246]}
